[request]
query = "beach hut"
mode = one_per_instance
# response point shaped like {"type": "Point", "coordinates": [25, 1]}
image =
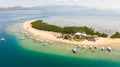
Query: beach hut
{"type": "Point", "coordinates": [84, 34]}
{"type": "Point", "coordinates": [78, 33]}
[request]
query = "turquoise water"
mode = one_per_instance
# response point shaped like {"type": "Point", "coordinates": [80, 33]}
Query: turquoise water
{"type": "Point", "coordinates": [27, 53]}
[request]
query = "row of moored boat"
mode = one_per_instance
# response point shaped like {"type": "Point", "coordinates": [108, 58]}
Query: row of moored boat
{"type": "Point", "coordinates": [74, 50]}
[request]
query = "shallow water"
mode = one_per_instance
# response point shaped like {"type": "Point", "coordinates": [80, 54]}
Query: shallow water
{"type": "Point", "coordinates": [28, 53]}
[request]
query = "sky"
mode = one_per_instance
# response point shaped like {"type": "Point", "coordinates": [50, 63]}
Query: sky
{"type": "Point", "coordinates": [97, 4]}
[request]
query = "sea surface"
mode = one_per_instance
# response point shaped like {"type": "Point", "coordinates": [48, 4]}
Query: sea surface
{"type": "Point", "coordinates": [29, 53]}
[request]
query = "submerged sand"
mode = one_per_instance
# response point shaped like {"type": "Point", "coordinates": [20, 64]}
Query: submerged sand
{"type": "Point", "coordinates": [48, 35]}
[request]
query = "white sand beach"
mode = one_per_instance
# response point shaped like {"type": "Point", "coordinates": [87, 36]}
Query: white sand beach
{"type": "Point", "coordinates": [47, 35]}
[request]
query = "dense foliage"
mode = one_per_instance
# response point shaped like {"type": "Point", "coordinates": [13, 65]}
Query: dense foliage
{"type": "Point", "coordinates": [73, 29]}
{"type": "Point", "coordinates": [116, 35]}
{"type": "Point", "coordinates": [101, 34]}
{"type": "Point", "coordinates": [39, 24]}
{"type": "Point", "coordinates": [87, 30]}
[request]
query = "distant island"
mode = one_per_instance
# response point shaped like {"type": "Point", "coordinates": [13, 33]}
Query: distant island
{"type": "Point", "coordinates": [116, 35]}
{"type": "Point", "coordinates": [48, 7]}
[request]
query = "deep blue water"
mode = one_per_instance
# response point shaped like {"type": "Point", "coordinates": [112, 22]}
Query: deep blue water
{"type": "Point", "coordinates": [12, 55]}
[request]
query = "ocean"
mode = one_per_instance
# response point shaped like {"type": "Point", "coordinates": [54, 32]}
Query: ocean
{"type": "Point", "coordinates": [28, 53]}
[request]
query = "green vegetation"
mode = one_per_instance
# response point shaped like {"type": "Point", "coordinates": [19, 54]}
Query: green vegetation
{"type": "Point", "coordinates": [116, 35]}
{"type": "Point", "coordinates": [101, 34]}
{"type": "Point", "coordinates": [74, 29]}
{"type": "Point", "coordinates": [39, 24]}
{"type": "Point", "coordinates": [87, 30]}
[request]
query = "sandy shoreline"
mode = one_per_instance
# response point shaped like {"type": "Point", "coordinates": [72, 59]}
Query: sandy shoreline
{"type": "Point", "coordinates": [50, 36]}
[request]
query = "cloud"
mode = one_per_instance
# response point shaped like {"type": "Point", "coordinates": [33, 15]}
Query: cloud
{"type": "Point", "coordinates": [97, 4]}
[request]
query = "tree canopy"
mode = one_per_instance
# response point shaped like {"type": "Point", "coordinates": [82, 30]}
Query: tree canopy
{"type": "Point", "coordinates": [116, 35]}
{"type": "Point", "coordinates": [39, 24]}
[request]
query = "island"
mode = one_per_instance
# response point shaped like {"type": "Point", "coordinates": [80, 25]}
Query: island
{"type": "Point", "coordinates": [116, 35]}
{"type": "Point", "coordinates": [70, 32]}
{"type": "Point", "coordinates": [68, 35]}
